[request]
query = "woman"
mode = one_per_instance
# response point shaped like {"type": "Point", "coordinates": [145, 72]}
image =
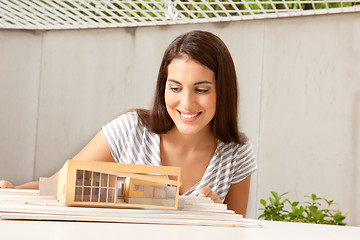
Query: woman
{"type": "Point", "coordinates": [192, 125]}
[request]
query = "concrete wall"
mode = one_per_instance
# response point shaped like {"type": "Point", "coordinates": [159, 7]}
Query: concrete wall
{"type": "Point", "coordinates": [299, 84]}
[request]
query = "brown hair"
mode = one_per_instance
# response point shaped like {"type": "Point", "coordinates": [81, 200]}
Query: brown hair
{"type": "Point", "coordinates": [209, 50]}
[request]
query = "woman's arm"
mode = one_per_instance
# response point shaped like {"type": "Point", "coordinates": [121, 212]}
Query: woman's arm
{"type": "Point", "coordinates": [96, 150]}
{"type": "Point", "coordinates": [238, 196]}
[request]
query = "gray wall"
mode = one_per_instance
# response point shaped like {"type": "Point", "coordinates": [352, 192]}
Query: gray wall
{"type": "Point", "coordinates": [299, 84]}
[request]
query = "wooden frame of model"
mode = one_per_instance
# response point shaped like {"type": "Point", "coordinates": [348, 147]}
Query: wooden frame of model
{"type": "Point", "coordinates": [103, 184]}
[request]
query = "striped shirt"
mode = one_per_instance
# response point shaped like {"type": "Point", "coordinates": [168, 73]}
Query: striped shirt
{"type": "Point", "coordinates": [132, 143]}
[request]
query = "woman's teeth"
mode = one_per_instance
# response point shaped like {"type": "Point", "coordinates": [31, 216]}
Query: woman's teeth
{"type": "Point", "coordinates": [189, 115]}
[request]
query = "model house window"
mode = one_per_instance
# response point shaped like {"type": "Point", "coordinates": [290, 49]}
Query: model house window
{"type": "Point", "coordinates": [120, 183]}
{"type": "Point", "coordinates": [149, 191]}
{"type": "Point", "coordinates": [138, 187]}
{"type": "Point", "coordinates": [98, 187]}
{"type": "Point", "coordinates": [96, 179]}
{"type": "Point", "coordinates": [160, 192]}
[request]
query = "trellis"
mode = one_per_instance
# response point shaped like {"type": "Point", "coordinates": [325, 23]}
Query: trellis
{"type": "Point", "coordinates": [75, 14]}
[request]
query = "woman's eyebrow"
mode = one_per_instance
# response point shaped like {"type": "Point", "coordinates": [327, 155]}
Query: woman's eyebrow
{"type": "Point", "coordinates": [203, 82]}
{"type": "Point", "coordinates": [197, 83]}
{"type": "Point", "coordinates": [174, 81]}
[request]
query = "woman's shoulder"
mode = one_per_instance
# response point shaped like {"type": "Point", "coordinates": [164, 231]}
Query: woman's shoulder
{"type": "Point", "coordinates": [236, 150]}
{"type": "Point", "coordinates": [235, 145]}
{"type": "Point", "coordinates": [126, 117]}
{"type": "Point", "coordinates": [130, 116]}
{"type": "Point", "coordinates": [127, 121]}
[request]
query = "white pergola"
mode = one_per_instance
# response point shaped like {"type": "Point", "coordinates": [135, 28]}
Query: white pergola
{"type": "Point", "coordinates": [78, 14]}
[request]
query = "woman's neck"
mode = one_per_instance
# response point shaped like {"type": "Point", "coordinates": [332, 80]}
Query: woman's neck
{"type": "Point", "coordinates": [201, 140]}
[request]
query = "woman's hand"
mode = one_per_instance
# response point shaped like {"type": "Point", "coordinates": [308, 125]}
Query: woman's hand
{"type": "Point", "coordinates": [6, 184]}
{"type": "Point", "coordinates": [206, 192]}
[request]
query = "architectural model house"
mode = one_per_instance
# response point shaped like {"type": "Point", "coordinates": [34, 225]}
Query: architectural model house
{"type": "Point", "coordinates": [84, 183]}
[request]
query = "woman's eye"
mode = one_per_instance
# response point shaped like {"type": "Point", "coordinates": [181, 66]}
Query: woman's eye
{"type": "Point", "coordinates": [202, 90]}
{"type": "Point", "coordinates": [174, 88]}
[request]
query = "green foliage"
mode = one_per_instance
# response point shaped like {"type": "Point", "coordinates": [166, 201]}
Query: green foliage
{"type": "Point", "coordinates": [131, 10]}
{"type": "Point", "coordinates": [280, 209]}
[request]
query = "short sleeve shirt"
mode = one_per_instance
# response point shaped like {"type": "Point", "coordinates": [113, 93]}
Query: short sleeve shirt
{"type": "Point", "coordinates": [131, 142]}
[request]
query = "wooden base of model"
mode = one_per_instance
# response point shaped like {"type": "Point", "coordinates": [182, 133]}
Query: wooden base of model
{"type": "Point", "coordinates": [195, 211]}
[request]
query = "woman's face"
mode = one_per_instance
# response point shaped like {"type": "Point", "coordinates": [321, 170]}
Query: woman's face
{"type": "Point", "coordinates": [190, 95]}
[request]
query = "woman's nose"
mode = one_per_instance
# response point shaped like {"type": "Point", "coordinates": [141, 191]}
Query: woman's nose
{"type": "Point", "coordinates": [187, 100]}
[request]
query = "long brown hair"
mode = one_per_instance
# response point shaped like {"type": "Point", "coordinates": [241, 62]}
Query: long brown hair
{"type": "Point", "coordinates": [209, 50]}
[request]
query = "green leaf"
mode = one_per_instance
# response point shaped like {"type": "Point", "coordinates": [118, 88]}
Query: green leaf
{"type": "Point", "coordinates": [284, 194]}
{"type": "Point", "coordinates": [263, 202]}
{"type": "Point", "coordinates": [319, 216]}
{"type": "Point", "coordinates": [275, 194]}
{"type": "Point", "coordinates": [313, 197]}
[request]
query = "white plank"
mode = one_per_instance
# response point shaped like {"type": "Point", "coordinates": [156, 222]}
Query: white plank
{"type": "Point", "coordinates": [28, 205]}
{"type": "Point", "coordinates": [20, 192]}
{"type": "Point", "coordinates": [111, 212]}
{"type": "Point", "coordinates": [207, 205]}
{"type": "Point", "coordinates": [122, 219]}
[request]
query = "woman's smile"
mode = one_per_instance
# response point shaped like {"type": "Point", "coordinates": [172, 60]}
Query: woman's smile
{"type": "Point", "coordinates": [189, 117]}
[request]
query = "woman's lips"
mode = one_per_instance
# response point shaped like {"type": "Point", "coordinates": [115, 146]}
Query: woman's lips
{"type": "Point", "coordinates": [189, 117]}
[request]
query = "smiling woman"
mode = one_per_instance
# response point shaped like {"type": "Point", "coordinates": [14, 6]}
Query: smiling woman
{"type": "Point", "coordinates": [195, 116]}
{"type": "Point", "coordinates": [192, 125]}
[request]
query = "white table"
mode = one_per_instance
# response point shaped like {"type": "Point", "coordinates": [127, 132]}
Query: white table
{"type": "Point", "coordinates": [39, 230]}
